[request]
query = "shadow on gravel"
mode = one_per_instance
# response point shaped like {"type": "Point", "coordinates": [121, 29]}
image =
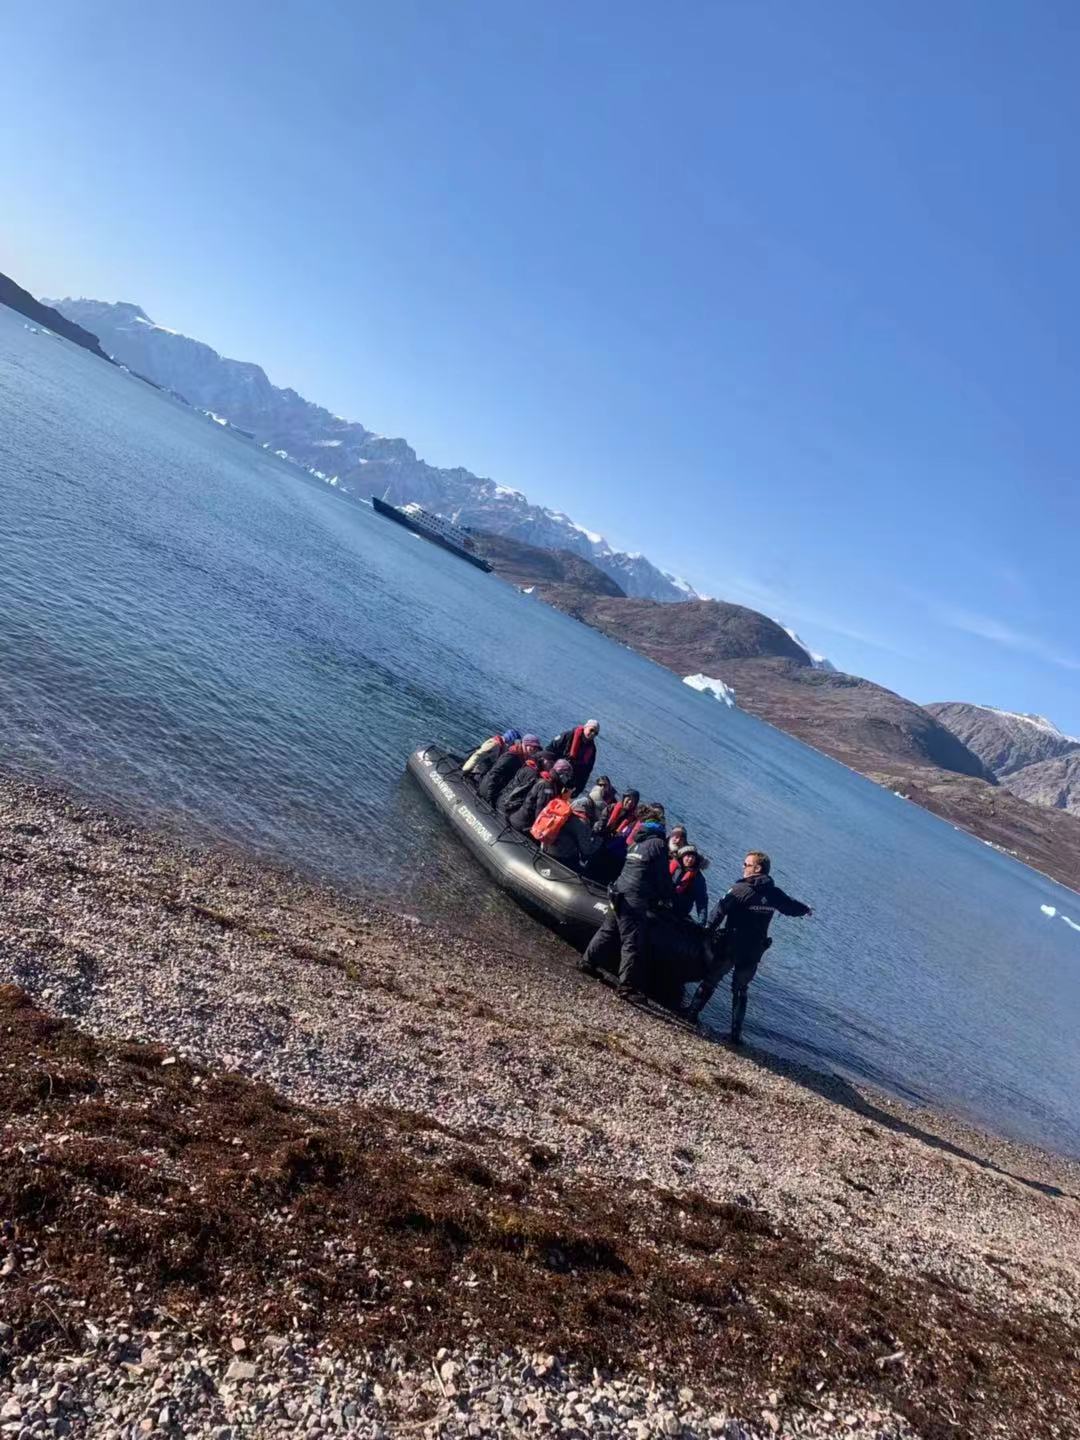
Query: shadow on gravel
{"type": "Point", "coordinates": [841, 1092]}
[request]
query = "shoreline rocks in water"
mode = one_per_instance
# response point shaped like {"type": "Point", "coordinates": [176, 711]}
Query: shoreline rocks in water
{"type": "Point", "coordinates": [277, 1160]}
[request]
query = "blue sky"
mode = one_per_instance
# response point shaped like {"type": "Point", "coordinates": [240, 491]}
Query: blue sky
{"type": "Point", "coordinates": [783, 295]}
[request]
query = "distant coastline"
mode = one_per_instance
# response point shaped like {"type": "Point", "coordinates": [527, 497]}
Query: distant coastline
{"type": "Point", "coordinates": [21, 301]}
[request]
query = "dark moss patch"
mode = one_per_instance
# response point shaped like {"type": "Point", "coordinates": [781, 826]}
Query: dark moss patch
{"type": "Point", "coordinates": [135, 1188]}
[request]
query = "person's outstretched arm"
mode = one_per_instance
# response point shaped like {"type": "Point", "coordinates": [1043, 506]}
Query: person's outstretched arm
{"type": "Point", "coordinates": [787, 905]}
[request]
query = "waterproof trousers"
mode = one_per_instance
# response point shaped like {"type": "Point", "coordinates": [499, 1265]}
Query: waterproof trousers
{"type": "Point", "coordinates": [624, 931]}
{"type": "Point", "coordinates": [742, 972]}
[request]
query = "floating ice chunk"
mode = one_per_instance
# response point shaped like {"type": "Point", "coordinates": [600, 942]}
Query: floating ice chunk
{"type": "Point", "coordinates": [708, 686]}
{"type": "Point", "coordinates": [1048, 910]}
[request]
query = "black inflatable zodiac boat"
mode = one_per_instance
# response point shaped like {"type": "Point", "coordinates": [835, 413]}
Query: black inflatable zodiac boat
{"type": "Point", "coordinates": [574, 905]}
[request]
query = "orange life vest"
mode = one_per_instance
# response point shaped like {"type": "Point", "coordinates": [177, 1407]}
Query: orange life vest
{"type": "Point", "coordinates": [551, 820]}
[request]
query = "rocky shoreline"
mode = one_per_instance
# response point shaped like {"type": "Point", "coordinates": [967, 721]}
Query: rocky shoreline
{"type": "Point", "coordinates": [277, 1160]}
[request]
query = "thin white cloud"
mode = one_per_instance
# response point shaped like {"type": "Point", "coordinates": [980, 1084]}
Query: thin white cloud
{"type": "Point", "coordinates": [807, 619]}
{"type": "Point", "coordinates": [1000, 633]}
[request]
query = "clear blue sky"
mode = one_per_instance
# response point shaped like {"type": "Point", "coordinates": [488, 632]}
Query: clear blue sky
{"type": "Point", "coordinates": [784, 295]}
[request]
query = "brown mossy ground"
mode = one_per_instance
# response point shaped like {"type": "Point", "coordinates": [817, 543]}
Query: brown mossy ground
{"type": "Point", "coordinates": [129, 1185]}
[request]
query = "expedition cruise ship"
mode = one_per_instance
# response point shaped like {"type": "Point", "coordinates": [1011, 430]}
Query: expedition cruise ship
{"type": "Point", "coordinates": [433, 527]}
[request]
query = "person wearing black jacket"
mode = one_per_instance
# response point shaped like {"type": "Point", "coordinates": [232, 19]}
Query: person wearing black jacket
{"type": "Point", "coordinates": [578, 745]}
{"type": "Point", "coordinates": [554, 782]}
{"type": "Point", "coordinates": [645, 881]}
{"type": "Point", "coordinates": [529, 773]}
{"type": "Point", "coordinates": [688, 877]}
{"type": "Point", "coordinates": [577, 840]}
{"type": "Point", "coordinates": [740, 932]}
{"type": "Point", "coordinates": [504, 769]}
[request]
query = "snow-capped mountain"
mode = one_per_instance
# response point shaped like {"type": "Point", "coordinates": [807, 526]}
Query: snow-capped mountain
{"type": "Point", "coordinates": [345, 453]}
{"type": "Point", "coordinates": [1037, 722]}
{"type": "Point", "coordinates": [817, 661]}
{"type": "Point", "coordinates": [1007, 741]}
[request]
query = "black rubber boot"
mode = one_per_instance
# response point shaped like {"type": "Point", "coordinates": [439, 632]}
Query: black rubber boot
{"type": "Point", "coordinates": [738, 1015]}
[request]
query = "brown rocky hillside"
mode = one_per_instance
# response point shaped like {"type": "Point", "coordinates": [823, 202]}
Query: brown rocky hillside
{"type": "Point", "coordinates": [529, 565]}
{"type": "Point", "coordinates": [694, 636]}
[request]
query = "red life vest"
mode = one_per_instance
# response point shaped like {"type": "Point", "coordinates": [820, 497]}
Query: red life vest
{"type": "Point", "coordinates": [684, 882]}
{"type": "Point", "coordinates": [618, 817]}
{"type": "Point", "coordinates": [581, 747]}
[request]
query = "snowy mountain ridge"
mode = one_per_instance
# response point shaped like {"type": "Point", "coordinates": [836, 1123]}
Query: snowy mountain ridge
{"type": "Point", "coordinates": [817, 661]}
{"type": "Point", "coordinates": [345, 453]}
{"type": "Point", "coordinates": [1007, 741]}
{"type": "Point", "coordinates": [1038, 722]}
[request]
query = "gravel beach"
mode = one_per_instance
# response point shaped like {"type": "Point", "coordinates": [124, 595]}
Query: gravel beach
{"type": "Point", "coordinates": [843, 1264]}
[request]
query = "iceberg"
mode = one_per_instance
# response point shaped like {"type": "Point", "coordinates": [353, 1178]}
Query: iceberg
{"type": "Point", "coordinates": [708, 686]}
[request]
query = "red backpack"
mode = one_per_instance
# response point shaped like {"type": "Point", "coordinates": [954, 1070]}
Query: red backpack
{"type": "Point", "coordinates": [551, 820]}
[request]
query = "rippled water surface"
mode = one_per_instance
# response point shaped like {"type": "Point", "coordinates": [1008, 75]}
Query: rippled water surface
{"type": "Point", "coordinates": [192, 630]}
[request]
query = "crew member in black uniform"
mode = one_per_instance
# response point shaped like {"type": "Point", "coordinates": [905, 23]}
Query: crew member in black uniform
{"type": "Point", "coordinates": [740, 934]}
{"type": "Point", "coordinates": [643, 882]}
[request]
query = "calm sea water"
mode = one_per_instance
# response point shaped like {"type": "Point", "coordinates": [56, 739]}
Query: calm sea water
{"type": "Point", "coordinates": [194, 631]}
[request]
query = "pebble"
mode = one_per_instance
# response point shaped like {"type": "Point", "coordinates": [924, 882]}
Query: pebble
{"type": "Point", "coordinates": [332, 1393]}
{"type": "Point", "coordinates": [296, 1026]}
